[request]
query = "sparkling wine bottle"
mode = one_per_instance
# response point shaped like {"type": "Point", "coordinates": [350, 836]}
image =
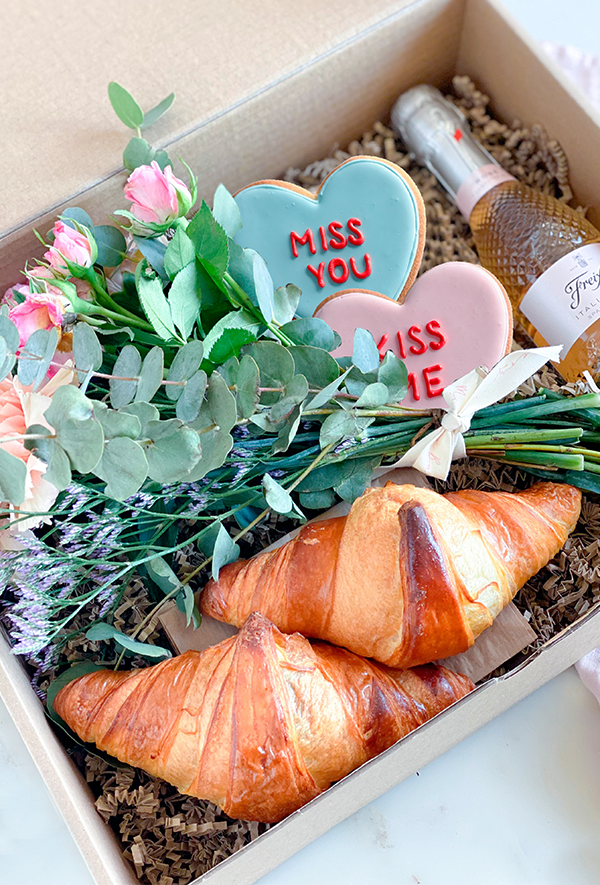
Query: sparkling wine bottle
{"type": "Point", "coordinates": [546, 254]}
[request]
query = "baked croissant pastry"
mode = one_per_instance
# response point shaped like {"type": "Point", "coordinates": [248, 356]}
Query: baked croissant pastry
{"type": "Point", "coordinates": [259, 724]}
{"type": "Point", "coordinates": [409, 576]}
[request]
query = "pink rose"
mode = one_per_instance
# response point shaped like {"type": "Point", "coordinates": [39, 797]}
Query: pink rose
{"type": "Point", "coordinates": [157, 196]}
{"type": "Point", "coordinates": [70, 244]}
{"type": "Point", "coordinates": [19, 408]}
{"type": "Point", "coordinates": [40, 310]}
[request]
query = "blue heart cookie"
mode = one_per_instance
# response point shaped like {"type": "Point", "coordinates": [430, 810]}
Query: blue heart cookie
{"type": "Point", "coordinates": [365, 228]}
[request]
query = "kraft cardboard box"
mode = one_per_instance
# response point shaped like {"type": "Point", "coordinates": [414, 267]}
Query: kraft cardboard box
{"type": "Point", "coordinates": [260, 87]}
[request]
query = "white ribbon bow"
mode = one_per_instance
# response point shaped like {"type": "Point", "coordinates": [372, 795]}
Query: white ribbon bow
{"type": "Point", "coordinates": [434, 453]}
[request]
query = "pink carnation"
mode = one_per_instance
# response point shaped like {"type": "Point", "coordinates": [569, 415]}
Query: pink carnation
{"type": "Point", "coordinates": [156, 195]}
{"type": "Point", "coordinates": [69, 244]}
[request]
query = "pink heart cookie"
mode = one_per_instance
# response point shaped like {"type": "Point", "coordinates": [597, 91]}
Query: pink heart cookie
{"type": "Point", "coordinates": [456, 317]}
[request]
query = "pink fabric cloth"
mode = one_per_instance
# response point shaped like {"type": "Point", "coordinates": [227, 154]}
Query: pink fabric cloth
{"type": "Point", "coordinates": [584, 69]}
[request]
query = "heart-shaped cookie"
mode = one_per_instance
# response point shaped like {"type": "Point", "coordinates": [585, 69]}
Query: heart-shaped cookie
{"type": "Point", "coordinates": [456, 317]}
{"type": "Point", "coordinates": [365, 227]}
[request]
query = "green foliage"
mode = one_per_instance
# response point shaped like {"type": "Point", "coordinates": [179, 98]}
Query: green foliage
{"type": "Point", "coordinates": [48, 450]}
{"type": "Point", "coordinates": [210, 242]}
{"type": "Point", "coordinates": [13, 473]}
{"type": "Point", "coordinates": [153, 300]}
{"type": "Point", "coordinates": [87, 350]}
{"type": "Point", "coordinates": [184, 299]}
{"type": "Point", "coordinates": [125, 106]}
{"type": "Point", "coordinates": [126, 372]}
{"type": "Point", "coordinates": [36, 357]}
{"type": "Point", "coordinates": [365, 355]}
{"type": "Point", "coordinates": [151, 375]}
{"type": "Point", "coordinates": [224, 551]}
{"type": "Point", "coordinates": [111, 245]}
{"type": "Point", "coordinates": [123, 466]}
{"type": "Point", "coordinates": [179, 253]}
{"type": "Point", "coordinates": [226, 212]}
{"type": "Point", "coordinates": [106, 631]}
{"type": "Point", "coordinates": [77, 431]}
{"type": "Point", "coordinates": [173, 450]}
{"type": "Point", "coordinates": [184, 366]}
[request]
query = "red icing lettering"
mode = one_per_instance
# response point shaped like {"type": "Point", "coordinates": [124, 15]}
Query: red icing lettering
{"type": "Point", "coordinates": [323, 239]}
{"type": "Point", "coordinates": [435, 331]}
{"type": "Point", "coordinates": [367, 270]}
{"type": "Point", "coordinates": [307, 238]}
{"type": "Point", "coordinates": [335, 263]}
{"type": "Point", "coordinates": [402, 347]}
{"type": "Point", "coordinates": [412, 382]}
{"type": "Point", "coordinates": [338, 240]}
{"type": "Point", "coordinates": [318, 272]}
{"type": "Point", "coordinates": [429, 382]}
{"type": "Point", "coordinates": [381, 346]}
{"type": "Point", "coordinates": [413, 334]}
{"type": "Point", "coordinates": [355, 237]}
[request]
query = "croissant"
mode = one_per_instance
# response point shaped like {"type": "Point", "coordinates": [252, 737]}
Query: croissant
{"type": "Point", "coordinates": [259, 724]}
{"type": "Point", "coordinates": [409, 576]}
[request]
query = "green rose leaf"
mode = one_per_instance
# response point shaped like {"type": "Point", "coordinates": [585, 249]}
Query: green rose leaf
{"type": "Point", "coordinates": [241, 268]}
{"type": "Point", "coordinates": [341, 425]}
{"type": "Point", "coordinates": [184, 300]}
{"type": "Point", "coordinates": [317, 500]}
{"type": "Point", "coordinates": [365, 355]}
{"type": "Point", "coordinates": [277, 497]}
{"type": "Point", "coordinates": [150, 117]}
{"type": "Point", "coordinates": [125, 106]}
{"type": "Point", "coordinates": [123, 467]}
{"type": "Point", "coordinates": [111, 245]}
{"type": "Point", "coordinates": [180, 252]}
{"type": "Point", "coordinates": [186, 363]}
{"type": "Point", "coordinates": [58, 468]}
{"type": "Point", "coordinates": [275, 365]}
{"type": "Point", "coordinates": [138, 153]}
{"type": "Point", "coordinates": [229, 335]}
{"type": "Point", "coordinates": [224, 551]}
{"type": "Point", "coordinates": [116, 423]}
{"type": "Point", "coordinates": [127, 366]}
{"type": "Point", "coordinates": [151, 375]}
{"type": "Point", "coordinates": [353, 485]}
{"type": "Point", "coordinates": [13, 473]}
{"type": "Point", "coordinates": [246, 384]}
{"type": "Point", "coordinates": [288, 431]}
{"type": "Point", "coordinates": [155, 305]}
{"type": "Point", "coordinates": [394, 374]}
{"type": "Point", "coordinates": [326, 394]}
{"type": "Point", "coordinates": [87, 350]}
{"type": "Point", "coordinates": [294, 393]}
{"type": "Point", "coordinates": [210, 242]}
{"type": "Point", "coordinates": [71, 415]}
{"type": "Point", "coordinates": [373, 395]}
{"type": "Point", "coordinates": [106, 631]}
{"type": "Point", "coordinates": [263, 286]}
{"type": "Point", "coordinates": [319, 366]}
{"type": "Point", "coordinates": [190, 402]}
{"type": "Point", "coordinates": [312, 331]}
{"type": "Point", "coordinates": [285, 302]}
{"type": "Point", "coordinates": [173, 450]}
{"type": "Point", "coordinates": [226, 212]}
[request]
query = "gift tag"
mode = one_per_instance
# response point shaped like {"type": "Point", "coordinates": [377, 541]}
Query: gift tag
{"type": "Point", "coordinates": [365, 228]}
{"type": "Point", "coordinates": [456, 317]}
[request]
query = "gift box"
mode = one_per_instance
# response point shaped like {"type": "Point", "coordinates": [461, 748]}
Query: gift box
{"type": "Point", "coordinates": [256, 93]}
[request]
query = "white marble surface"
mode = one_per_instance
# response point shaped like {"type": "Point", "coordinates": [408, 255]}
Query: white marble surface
{"type": "Point", "coordinates": [517, 803]}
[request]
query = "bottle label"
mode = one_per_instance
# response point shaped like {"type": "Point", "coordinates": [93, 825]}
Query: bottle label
{"type": "Point", "coordinates": [477, 184]}
{"type": "Point", "coordinates": [565, 300]}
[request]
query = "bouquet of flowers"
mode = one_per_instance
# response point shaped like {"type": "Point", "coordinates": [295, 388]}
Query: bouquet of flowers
{"type": "Point", "coordinates": [157, 393]}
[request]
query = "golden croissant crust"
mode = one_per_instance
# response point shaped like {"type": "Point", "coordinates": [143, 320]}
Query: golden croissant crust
{"type": "Point", "coordinates": [259, 724]}
{"type": "Point", "coordinates": [409, 576]}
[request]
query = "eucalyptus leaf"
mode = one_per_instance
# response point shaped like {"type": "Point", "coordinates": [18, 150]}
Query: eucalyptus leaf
{"type": "Point", "coordinates": [58, 468]}
{"type": "Point", "coordinates": [144, 412]}
{"type": "Point", "coordinates": [285, 303]}
{"type": "Point", "coordinates": [241, 268]}
{"type": "Point", "coordinates": [151, 375]}
{"type": "Point", "coordinates": [226, 212]}
{"type": "Point", "coordinates": [180, 252]}
{"type": "Point", "coordinates": [75, 215]}
{"type": "Point", "coordinates": [316, 364]}
{"type": "Point", "coordinates": [275, 365]}
{"type": "Point", "coordinates": [312, 331]}
{"type": "Point", "coordinates": [247, 383]}
{"type": "Point", "coordinates": [183, 299]}
{"type": "Point", "coordinates": [111, 245]}
{"type": "Point", "coordinates": [162, 574]}
{"type": "Point", "coordinates": [3, 354]}
{"type": "Point", "coordinates": [357, 381]}
{"type": "Point", "coordinates": [327, 477]}
{"type": "Point", "coordinates": [186, 363]}
{"type": "Point", "coordinates": [229, 371]}
{"type": "Point", "coordinates": [186, 603]}
{"type": "Point", "coordinates": [127, 366]}
{"type": "Point", "coordinates": [163, 159]}
{"type": "Point", "coordinates": [317, 500]}
{"type": "Point", "coordinates": [394, 374]}
{"type": "Point", "coordinates": [125, 106]}
{"type": "Point", "coordinates": [190, 402]}
{"type": "Point", "coordinates": [87, 350]}
{"type": "Point", "coordinates": [154, 252]}
{"type": "Point", "coordinates": [138, 153]}
{"type": "Point", "coordinates": [224, 551]}
{"type": "Point", "coordinates": [264, 288]}
{"type": "Point", "coordinates": [373, 395]}
{"type": "Point", "coordinates": [10, 333]}
{"type": "Point", "coordinates": [117, 423]}
{"type": "Point", "coordinates": [150, 117]}
{"type": "Point", "coordinates": [365, 355]}
{"type": "Point", "coordinates": [32, 356]}
{"type": "Point", "coordinates": [106, 631]}
{"type": "Point", "coordinates": [13, 473]}
{"type": "Point", "coordinates": [328, 392]}
{"type": "Point", "coordinates": [71, 415]}
{"type": "Point", "coordinates": [173, 450]}
{"type": "Point", "coordinates": [210, 242]}
{"type": "Point", "coordinates": [47, 358]}
{"type": "Point", "coordinates": [295, 392]}
{"type": "Point", "coordinates": [229, 335]}
{"type": "Point", "coordinates": [217, 417]}
{"type": "Point", "coordinates": [341, 425]}
{"type": "Point", "coordinates": [277, 497]}
{"type": "Point", "coordinates": [288, 431]}
{"type": "Point", "coordinates": [153, 300]}
{"type": "Point", "coordinates": [353, 485]}
{"type": "Point", "coordinates": [123, 466]}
